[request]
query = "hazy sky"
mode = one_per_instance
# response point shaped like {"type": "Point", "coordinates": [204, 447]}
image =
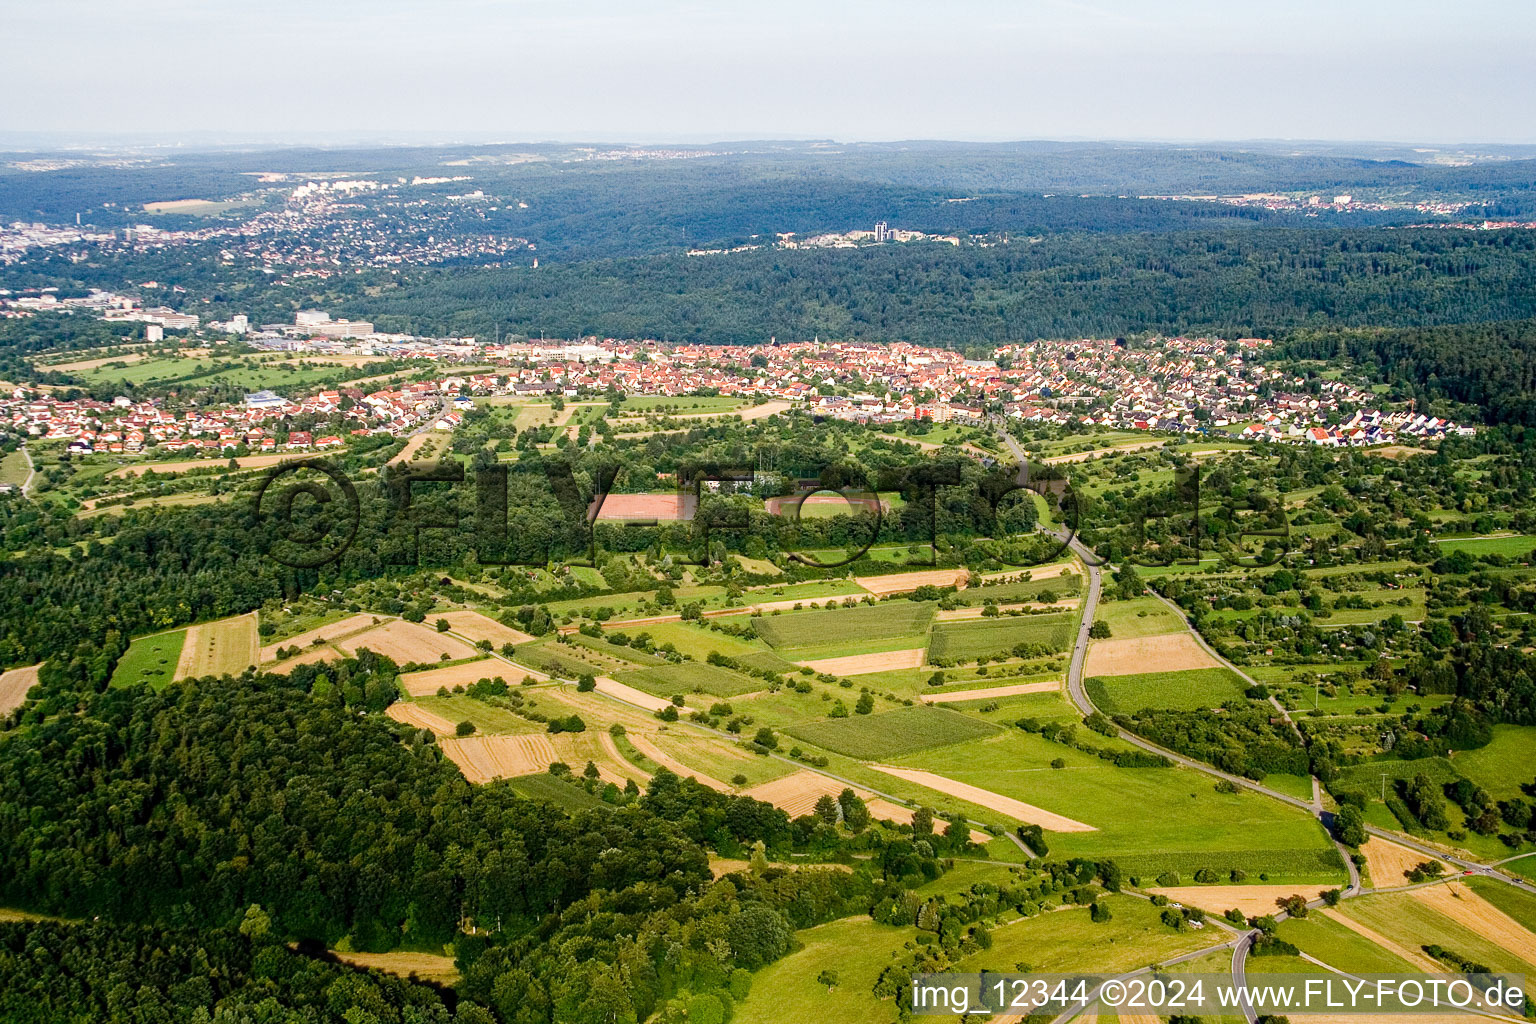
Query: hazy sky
{"type": "Point", "coordinates": [1403, 70]}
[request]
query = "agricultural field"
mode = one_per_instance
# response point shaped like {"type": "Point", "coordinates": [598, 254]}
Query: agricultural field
{"type": "Point", "coordinates": [408, 642]}
{"type": "Point", "coordinates": [14, 684]}
{"type": "Point", "coordinates": [1142, 616]}
{"type": "Point", "coordinates": [226, 647]}
{"type": "Point", "coordinates": [1169, 652]}
{"type": "Point", "coordinates": [863, 664]}
{"type": "Point", "coordinates": [1178, 691]}
{"type": "Point", "coordinates": [854, 648]}
{"type": "Point", "coordinates": [688, 677]}
{"type": "Point", "coordinates": [562, 794]}
{"type": "Point", "coordinates": [479, 627]}
{"type": "Point", "coordinates": [1502, 768]}
{"type": "Point", "coordinates": [1339, 947]}
{"type": "Point", "coordinates": [1066, 940]}
{"type": "Point", "coordinates": [1053, 587]}
{"type": "Point", "coordinates": [889, 734]}
{"type": "Point", "coordinates": [1517, 547]}
{"type": "Point", "coordinates": [693, 640]}
{"type": "Point", "coordinates": [857, 947]}
{"type": "Point", "coordinates": [150, 659]}
{"type": "Point", "coordinates": [991, 638]}
{"type": "Point", "coordinates": [429, 681]}
{"type": "Point", "coordinates": [1451, 916]}
{"type": "Point", "coordinates": [864, 622]}
{"type": "Point", "coordinates": [1149, 820]}
{"type": "Point", "coordinates": [14, 467]}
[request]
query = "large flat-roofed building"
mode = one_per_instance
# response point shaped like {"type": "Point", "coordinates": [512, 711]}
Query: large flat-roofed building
{"type": "Point", "coordinates": [265, 400]}
{"type": "Point", "coordinates": [342, 329]}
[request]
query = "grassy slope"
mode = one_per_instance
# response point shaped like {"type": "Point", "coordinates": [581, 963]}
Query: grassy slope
{"type": "Point", "coordinates": [1148, 818]}
{"type": "Point", "coordinates": [150, 659]}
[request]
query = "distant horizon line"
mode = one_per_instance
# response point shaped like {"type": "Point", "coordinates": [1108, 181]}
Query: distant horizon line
{"type": "Point", "coordinates": [202, 140]}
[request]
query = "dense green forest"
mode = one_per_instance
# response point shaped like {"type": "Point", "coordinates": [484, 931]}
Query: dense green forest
{"type": "Point", "coordinates": [1489, 365]}
{"type": "Point", "coordinates": [269, 807]}
{"type": "Point", "coordinates": [1064, 286]}
{"type": "Point", "coordinates": [103, 971]}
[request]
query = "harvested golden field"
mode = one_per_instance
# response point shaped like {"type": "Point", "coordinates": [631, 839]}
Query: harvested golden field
{"type": "Point", "coordinates": [406, 642]}
{"type": "Point", "coordinates": [1389, 862]}
{"type": "Point", "coordinates": [906, 582]}
{"type": "Point", "coordinates": [990, 692]}
{"type": "Point", "coordinates": [1410, 954]}
{"type": "Point", "coordinates": [482, 627]}
{"type": "Point", "coordinates": [630, 695]}
{"type": "Point", "coordinates": [225, 647]}
{"type": "Point", "coordinates": [427, 683]}
{"type": "Point", "coordinates": [483, 758]}
{"type": "Point", "coordinates": [797, 794]}
{"type": "Point", "coordinates": [761, 412]}
{"type": "Point", "coordinates": [420, 717]}
{"type": "Point", "coordinates": [326, 633]}
{"type": "Point", "coordinates": [1252, 900]}
{"type": "Point", "coordinates": [597, 710]}
{"type": "Point", "coordinates": [861, 664]}
{"type": "Point", "coordinates": [1170, 652]}
{"type": "Point", "coordinates": [425, 966]}
{"type": "Point", "coordinates": [14, 685]}
{"type": "Point", "coordinates": [885, 810]}
{"type": "Point", "coordinates": [644, 744]}
{"type": "Point", "coordinates": [1016, 809]}
{"type": "Point", "coordinates": [244, 462]}
{"type": "Point", "coordinates": [1466, 907]}
{"type": "Point", "coordinates": [577, 748]}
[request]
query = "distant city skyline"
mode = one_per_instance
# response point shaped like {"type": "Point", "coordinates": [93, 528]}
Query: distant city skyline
{"type": "Point", "coordinates": [1411, 71]}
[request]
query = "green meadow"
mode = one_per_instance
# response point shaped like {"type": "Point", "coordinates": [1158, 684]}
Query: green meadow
{"type": "Point", "coordinates": [1189, 690]}
{"type": "Point", "coordinates": [150, 659]}
{"type": "Point", "coordinates": [1147, 819]}
{"type": "Point", "coordinates": [970, 639]}
{"type": "Point", "coordinates": [863, 622]}
{"type": "Point", "coordinates": [890, 734]}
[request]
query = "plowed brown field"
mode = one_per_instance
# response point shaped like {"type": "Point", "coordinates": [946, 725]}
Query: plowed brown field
{"type": "Point", "coordinates": [906, 582]}
{"type": "Point", "coordinates": [406, 642]}
{"type": "Point", "coordinates": [1170, 652]}
{"type": "Point", "coordinates": [14, 686]}
{"type": "Point", "coordinates": [483, 627]}
{"type": "Point", "coordinates": [420, 717]}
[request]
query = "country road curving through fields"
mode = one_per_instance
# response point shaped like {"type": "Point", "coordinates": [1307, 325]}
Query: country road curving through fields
{"type": "Point", "coordinates": [1093, 566]}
